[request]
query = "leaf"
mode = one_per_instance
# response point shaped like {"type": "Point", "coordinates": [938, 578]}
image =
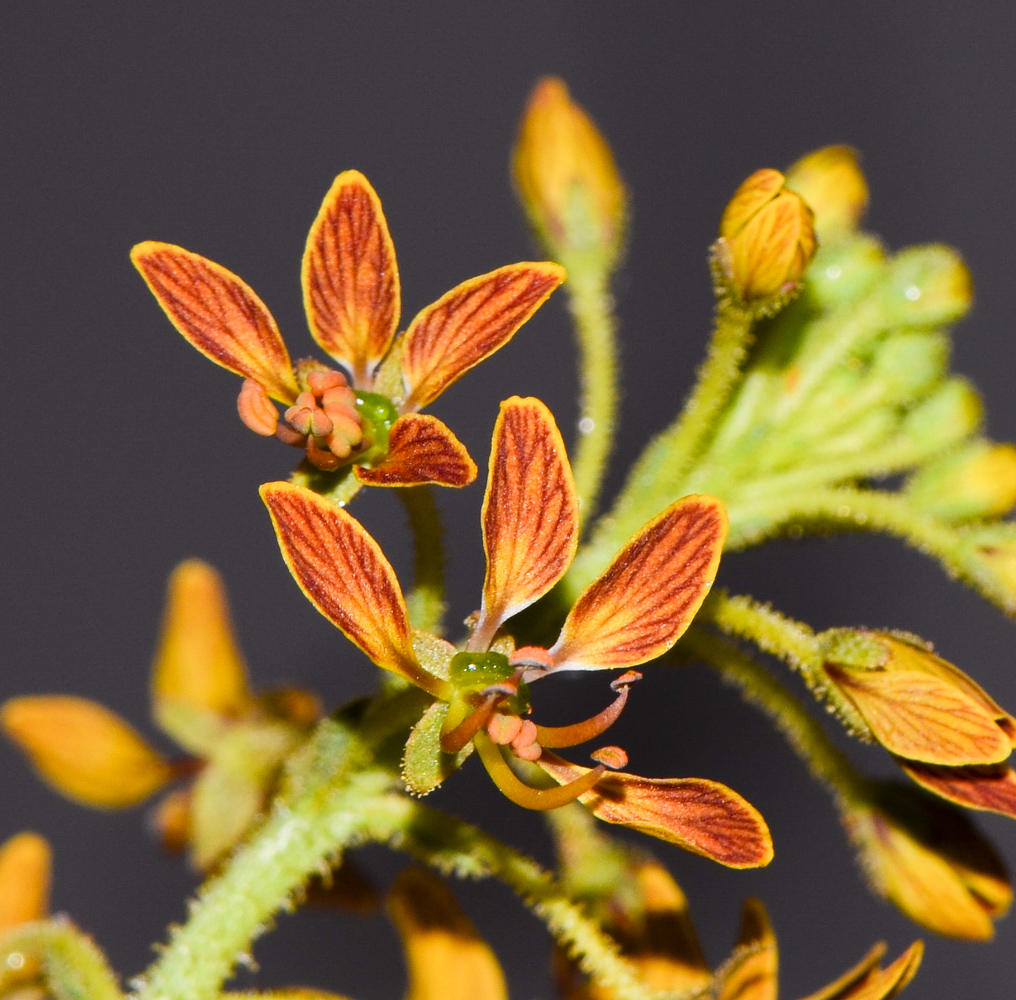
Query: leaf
{"type": "Point", "coordinates": [219, 314]}
{"type": "Point", "coordinates": [351, 278]}
{"type": "Point", "coordinates": [990, 786]}
{"type": "Point", "coordinates": [84, 750]}
{"type": "Point", "coordinates": [530, 512]}
{"type": "Point", "coordinates": [421, 450]}
{"type": "Point", "coordinates": [346, 577]}
{"type": "Point", "coordinates": [922, 716]}
{"type": "Point", "coordinates": [649, 594]}
{"type": "Point", "coordinates": [468, 324]}
{"type": "Point", "coordinates": [701, 816]}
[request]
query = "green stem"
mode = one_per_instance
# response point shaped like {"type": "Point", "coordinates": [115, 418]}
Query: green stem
{"type": "Point", "coordinates": [592, 310]}
{"type": "Point", "coordinates": [426, 601]}
{"type": "Point", "coordinates": [73, 967]}
{"type": "Point", "coordinates": [758, 687]}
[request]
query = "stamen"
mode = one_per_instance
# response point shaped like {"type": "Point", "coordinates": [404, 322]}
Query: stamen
{"type": "Point", "coordinates": [256, 408]}
{"type": "Point", "coordinates": [524, 744]}
{"type": "Point", "coordinates": [457, 738]}
{"type": "Point", "coordinates": [287, 435]}
{"type": "Point", "coordinates": [524, 795]}
{"type": "Point", "coordinates": [532, 657]}
{"type": "Point", "coordinates": [580, 732]}
{"type": "Point", "coordinates": [320, 458]}
{"type": "Point", "coordinates": [502, 729]}
{"type": "Point", "coordinates": [614, 757]}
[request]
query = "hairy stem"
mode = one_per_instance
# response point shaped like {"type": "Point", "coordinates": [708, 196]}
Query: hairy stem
{"type": "Point", "coordinates": [426, 601]}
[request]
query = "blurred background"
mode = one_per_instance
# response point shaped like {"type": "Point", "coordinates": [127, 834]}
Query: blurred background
{"type": "Point", "coordinates": [220, 127]}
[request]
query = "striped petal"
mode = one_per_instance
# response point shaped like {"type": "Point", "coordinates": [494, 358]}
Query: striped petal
{"type": "Point", "coordinates": [346, 577]}
{"type": "Point", "coordinates": [991, 787]}
{"type": "Point", "coordinates": [701, 816]}
{"type": "Point", "coordinates": [219, 314]}
{"type": "Point", "coordinates": [350, 277]}
{"type": "Point", "coordinates": [868, 981]}
{"type": "Point", "coordinates": [530, 513]}
{"type": "Point", "coordinates": [649, 594]}
{"type": "Point", "coordinates": [470, 323]}
{"type": "Point", "coordinates": [421, 450]}
{"type": "Point", "coordinates": [751, 972]}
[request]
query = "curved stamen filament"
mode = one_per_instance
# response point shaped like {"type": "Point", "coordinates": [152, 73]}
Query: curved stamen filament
{"type": "Point", "coordinates": [580, 732]}
{"type": "Point", "coordinates": [454, 740]}
{"type": "Point", "coordinates": [522, 794]}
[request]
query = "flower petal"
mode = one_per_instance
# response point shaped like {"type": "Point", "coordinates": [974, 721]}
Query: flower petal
{"type": "Point", "coordinates": [421, 450]}
{"type": "Point", "coordinates": [866, 981]}
{"type": "Point", "coordinates": [751, 972]}
{"type": "Point", "coordinates": [649, 594]}
{"type": "Point", "coordinates": [219, 314]}
{"type": "Point", "coordinates": [84, 750]}
{"type": "Point", "coordinates": [469, 323]}
{"type": "Point", "coordinates": [922, 716]}
{"type": "Point", "coordinates": [198, 661]}
{"type": "Point", "coordinates": [350, 277]}
{"type": "Point", "coordinates": [530, 513]}
{"type": "Point", "coordinates": [25, 867]}
{"type": "Point", "coordinates": [346, 577]}
{"type": "Point", "coordinates": [446, 958]}
{"type": "Point", "coordinates": [991, 786]}
{"type": "Point", "coordinates": [701, 816]}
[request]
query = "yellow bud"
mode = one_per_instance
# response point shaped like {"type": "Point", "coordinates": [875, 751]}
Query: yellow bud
{"type": "Point", "coordinates": [978, 481]}
{"type": "Point", "coordinates": [25, 864]}
{"type": "Point", "coordinates": [831, 181]}
{"type": "Point", "coordinates": [751, 972]}
{"type": "Point", "coordinates": [198, 661]}
{"type": "Point", "coordinates": [917, 705]}
{"type": "Point", "coordinates": [767, 241]}
{"type": "Point", "coordinates": [928, 859]}
{"type": "Point", "coordinates": [566, 177]}
{"type": "Point", "coordinates": [446, 958]}
{"type": "Point", "coordinates": [84, 750]}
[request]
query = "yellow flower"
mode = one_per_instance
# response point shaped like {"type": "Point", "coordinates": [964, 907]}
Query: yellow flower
{"type": "Point", "coordinates": [566, 177]}
{"type": "Point", "coordinates": [831, 182]}
{"type": "Point", "coordinates": [767, 241]}
{"type": "Point", "coordinates": [200, 697]}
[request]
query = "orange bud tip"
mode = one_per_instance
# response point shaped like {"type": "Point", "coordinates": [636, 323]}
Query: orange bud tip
{"type": "Point", "coordinates": [612, 757]}
{"type": "Point", "coordinates": [256, 408]}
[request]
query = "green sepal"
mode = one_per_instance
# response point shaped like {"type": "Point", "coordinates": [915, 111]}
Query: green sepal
{"type": "Point", "coordinates": [424, 764]}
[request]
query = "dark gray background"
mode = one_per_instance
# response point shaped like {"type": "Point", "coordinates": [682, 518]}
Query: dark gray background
{"type": "Point", "coordinates": [220, 126]}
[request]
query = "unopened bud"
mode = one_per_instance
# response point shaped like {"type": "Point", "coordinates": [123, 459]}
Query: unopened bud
{"type": "Point", "coordinates": [928, 286]}
{"type": "Point", "coordinates": [978, 481]}
{"type": "Point", "coordinates": [831, 181]}
{"type": "Point", "coordinates": [951, 413]}
{"type": "Point", "coordinates": [767, 241]}
{"type": "Point", "coordinates": [566, 177]}
{"type": "Point", "coordinates": [25, 865]}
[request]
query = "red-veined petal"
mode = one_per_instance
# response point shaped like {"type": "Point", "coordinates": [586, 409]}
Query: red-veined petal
{"type": "Point", "coordinates": [351, 278]}
{"type": "Point", "coordinates": [530, 513]}
{"type": "Point", "coordinates": [991, 787]}
{"type": "Point", "coordinates": [649, 594]}
{"type": "Point", "coordinates": [469, 323]}
{"type": "Point", "coordinates": [421, 450]}
{"type": "Point", "coordinates": [701, 816]}
{"type": "Point", "coordinates": [346, 577]}
{"type": "Point", "coordinates": [867, 981]}
{"type": "Point", "coordinates": [219, 314]}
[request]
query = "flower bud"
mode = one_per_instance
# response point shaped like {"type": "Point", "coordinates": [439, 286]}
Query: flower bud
{"type": "Point", "coordinates": [84, 751]}
{"type": "Point", "coordinates": [25, 863]}
{"type": "Point", "coordinates": [927, 286]}
{"type": "Point", "coordinates": [831, 181]}
{"type": "Point", "coordinates": [917, 705]}
{"type": "Point", "coordinates": [978, 481]}
{"type": "Point", "coordinates": [909, 363]}
{"type": "Point", "coordinates": [945, 418]}
{"type": "Point", "coordinates": [927, 859]}
{"type": "Point", "coordinates": [566, 177]}
{"type": "Point", "coordinates": [989, 553]}
{"type": "Point", "coordinates": [767, 242]}
{"type": "Point", "coordinates": [844, 271]}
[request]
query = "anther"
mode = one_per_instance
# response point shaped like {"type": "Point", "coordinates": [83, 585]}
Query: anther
{"type": "Point", "coordinates": [612, 757]}
{"type": "Point", "coordinates": [256, 408]}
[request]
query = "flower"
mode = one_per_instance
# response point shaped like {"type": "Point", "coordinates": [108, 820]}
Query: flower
{"type": "Point", "coordinates": [926, 858]}
{"type": "Point", "coordinates": [634, 612]}
{"type": "Point", "coordinates": [352, 297]}
{"type": "Point", "coordinates": [236, 740]}
{"type": "Point", "coordinates": [917, 705]}
{"type": "Point", "coordinates": [566, 177]}
{"type": "Point", "coordinates": [767, 240]}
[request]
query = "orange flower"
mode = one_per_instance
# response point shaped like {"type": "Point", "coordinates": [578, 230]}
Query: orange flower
{"type": "Point", "coordinates": [634, 612]}
{"type": "Point", "coordinates": [201, 698]}
{"type": "Point", "coordinates": [352, 297]}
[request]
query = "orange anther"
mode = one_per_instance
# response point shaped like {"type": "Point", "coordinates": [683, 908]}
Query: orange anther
{"type": "Point", "coordinates": [320, 382]}
{"type": "Point", "coordinates": [613, 757]}
{"type": "Point", "coordinates": [503, 729]}
{"type": "Point", "coordinates": [531, 656]}
{"type": "Point", "coordinates": [626, 679]}
{"type": "Point", "coordinates": [256, 409]}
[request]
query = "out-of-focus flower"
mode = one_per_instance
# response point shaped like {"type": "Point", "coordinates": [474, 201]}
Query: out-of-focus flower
{"type": "Point", "coordinates": [237, 741]}
{"type": "Point", "coordinates": [767, 240]}
{"type": "Point", "coordinates": [926, 858]}
{"type": "Point", "coordinates": [917, 705]}
{"type": "Point", "coordinates": [353, 301]}
{"type": "Point", "coordinates": [635, 611]}
{"type": "Point", "coordinates": [977, 481]}
{"type": "Point", "coordinates": [566, 177]}
{"type": "Point", "coordinates": [26, 862]}
{"type": "Point", "coordinates": [831, 182]}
